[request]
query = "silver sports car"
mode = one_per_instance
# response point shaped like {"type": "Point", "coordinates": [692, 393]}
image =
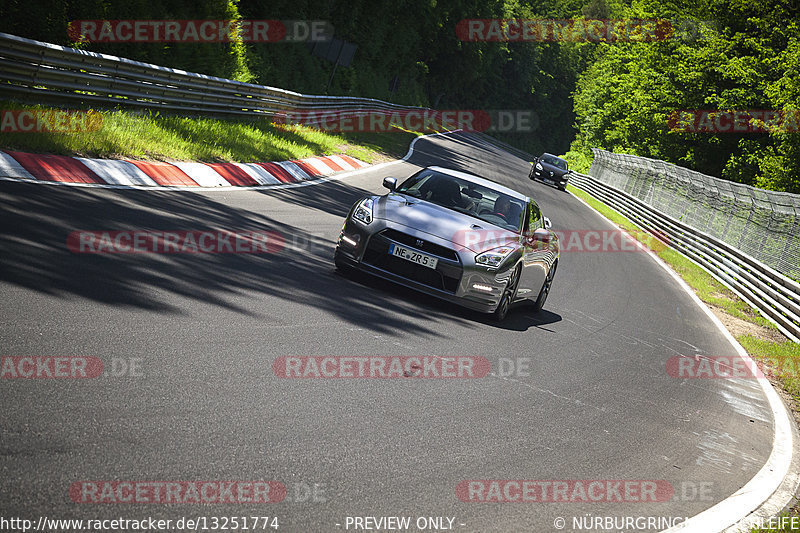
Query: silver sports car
{"type": "Point", "coordinates": [456, 236]}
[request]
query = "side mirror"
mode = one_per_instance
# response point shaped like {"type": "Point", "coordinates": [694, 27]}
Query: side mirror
{"type": "Point", "coordinates": [390, 183]}
{"type": "Point", "coordinates": [538, 237]}
{"type": "Point", "coordinates": [547, 223]}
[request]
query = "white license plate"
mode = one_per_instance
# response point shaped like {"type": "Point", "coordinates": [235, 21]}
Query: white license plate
{"type": "Point", "coordinates": [410, 255]}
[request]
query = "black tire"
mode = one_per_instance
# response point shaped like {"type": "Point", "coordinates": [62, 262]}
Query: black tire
{"type": "Point", "coordinates": [545, 290]}
{"type": "Point", "coordinates": [508, 296]}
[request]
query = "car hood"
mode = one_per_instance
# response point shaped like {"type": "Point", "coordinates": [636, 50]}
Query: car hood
{"type": "Point", "coordinates": [554, 169]}
{"type": "Point", "coordinates": [462, 230]}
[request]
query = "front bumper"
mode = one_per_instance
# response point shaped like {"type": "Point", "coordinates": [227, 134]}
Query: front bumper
{"type": "Point", "coordinates": [549, 177]}
{"type": "Point", "coordinates": [454, 279]}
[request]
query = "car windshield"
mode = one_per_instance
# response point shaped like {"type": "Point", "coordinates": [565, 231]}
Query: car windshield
{"type": "Point", "coordinates": [555, 161]}
{"type": "Point", "coordinates": [464, 196]}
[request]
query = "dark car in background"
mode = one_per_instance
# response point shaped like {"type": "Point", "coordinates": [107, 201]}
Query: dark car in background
{"type": "Point", "coordinates": [550, 169]}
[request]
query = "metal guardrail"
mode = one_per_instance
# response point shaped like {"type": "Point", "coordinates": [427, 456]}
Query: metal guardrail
{"type": "Point", "coordinates": [774, 295]}
{"type": "Point", "coordinates": [761, 223]}
{"type": "Point", "coordinates": [43, 72]}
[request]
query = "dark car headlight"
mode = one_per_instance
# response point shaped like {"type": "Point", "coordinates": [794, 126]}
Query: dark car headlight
{"type": "Point", "coordinates": [363, 211]}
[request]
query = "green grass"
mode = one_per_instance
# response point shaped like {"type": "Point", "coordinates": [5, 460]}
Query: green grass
{"type": "Point", "coordinates": [783, 358]}
{"type": "Point", "coordinates": [145, 136]}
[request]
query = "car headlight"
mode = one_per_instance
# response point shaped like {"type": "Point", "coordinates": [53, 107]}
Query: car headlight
{"type": "Point", "coordinates": [539, 166]}
{"type": "Point", "coordinates": [363, 211]}
{"type": "Point", "coordinates": [495, 256]}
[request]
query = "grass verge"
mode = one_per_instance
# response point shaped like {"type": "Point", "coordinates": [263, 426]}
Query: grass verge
{"type": "Point", "coordinates": [159, 137]}
{"type": "Point", "coordinates": [777, 357]}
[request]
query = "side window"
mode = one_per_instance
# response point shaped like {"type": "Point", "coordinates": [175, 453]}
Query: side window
{"type": "Point", "coordinates": [534, 217]}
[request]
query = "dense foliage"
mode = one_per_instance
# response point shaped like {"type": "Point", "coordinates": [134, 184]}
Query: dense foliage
{"type": "Point", "coordinates": [749, 59]}
{"type": "Point", "coordinates": [615, 96]}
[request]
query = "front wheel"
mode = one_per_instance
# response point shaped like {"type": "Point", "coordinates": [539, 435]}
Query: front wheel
{"type": "Point", "coordinates": [548, 282]}
{"type": "Point", "coordinates": [508, 296]}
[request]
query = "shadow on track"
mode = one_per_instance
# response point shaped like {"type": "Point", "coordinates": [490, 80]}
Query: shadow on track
{"type": "Point", "coordinates": [520, 317]}
{"type": "Point", "coordinates": [37, 219]}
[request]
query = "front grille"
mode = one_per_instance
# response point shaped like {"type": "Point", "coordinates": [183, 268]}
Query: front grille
{"type": "Point", "coordinates": [445, 277]}
{"type": "Point", "coordinates": [426, 246]}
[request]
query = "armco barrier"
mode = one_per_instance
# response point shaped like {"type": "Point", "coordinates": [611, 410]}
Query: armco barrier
{"type": "Point", "coordinates": [42, 72]}
{"type": "Point", "coordinates": [763, 224]}
{"type": "Point", "coordinates": [776, 296]}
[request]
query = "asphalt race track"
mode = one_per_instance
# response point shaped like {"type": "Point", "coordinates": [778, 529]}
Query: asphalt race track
{"type": "Point", "coordinates": [203, 403]}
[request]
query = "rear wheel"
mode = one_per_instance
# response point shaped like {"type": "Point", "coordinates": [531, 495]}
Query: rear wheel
{"type": "Point", "coordinates": [509, 294]}
{"type": "Point", "coordinates": [548, 282]}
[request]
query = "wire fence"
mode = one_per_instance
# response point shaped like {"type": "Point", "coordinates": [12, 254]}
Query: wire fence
{"type": "Point", "coordinates": [763, 224]}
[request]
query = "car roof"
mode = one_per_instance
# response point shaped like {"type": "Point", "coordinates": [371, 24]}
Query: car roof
{"type": "Point", "coordinates": [481, 181]}
{"type": "Point", "coordinates": [554, 156]}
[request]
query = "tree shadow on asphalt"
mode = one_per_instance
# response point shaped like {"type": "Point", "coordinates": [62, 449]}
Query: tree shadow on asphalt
{"type": "Point", "coordinates": [334, 197]}
{"type": "Point", "coordinates": [520, 316]}
{"type": "Point", "coordinates": [37, 220]}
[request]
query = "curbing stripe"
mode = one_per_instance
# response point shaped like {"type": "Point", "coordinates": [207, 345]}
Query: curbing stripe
{"type": "Point", "coordinates": [204, 175]}
{"type": "Point", "coordinates": [278, 172]}
{"type": "Point", "coordinates": [309, 169]}
{"type": "Point", "coordinates": [341, 162]}
{"type": "Point", "coordinates": [258, 173]}
{"type": "Point", "coordinates": [297, 173]}
{"type": "Point", "coordinates": [117, 172]}
{"type": "Point", "coordinates": [164, 174]}
{"type": "Point", "coordinates": [319, 166]}
{"type": "Point", "coordinates": [11, 168]}
{"type": "Point", "coordinates": [233, 174]}
{"type": "Point", "coordinates": [59, 168]}
{"type": "Point", "coordinates": [130, 173]}
{"type": "Point", "coordinates": [355, 162]}
{"type": "Point", "coordinates": [330, 164]}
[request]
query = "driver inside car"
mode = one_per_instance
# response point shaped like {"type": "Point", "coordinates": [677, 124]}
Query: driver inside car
{"type": "Point", "coordinates": [509, 211]}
